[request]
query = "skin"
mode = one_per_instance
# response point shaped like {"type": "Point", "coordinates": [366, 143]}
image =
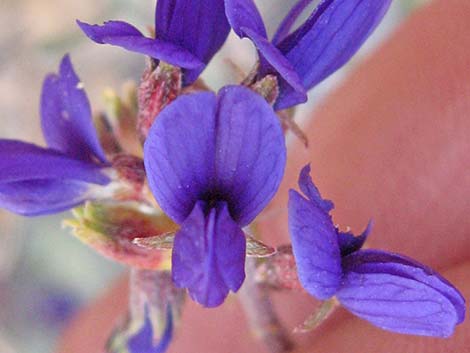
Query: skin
{"type": "Point", "coordinates": [391, 144]}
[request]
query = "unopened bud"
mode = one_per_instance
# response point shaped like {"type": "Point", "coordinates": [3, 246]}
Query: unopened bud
{"type": "Point", "coordinates": [158, 88]}
{"type": "Point", "coordinates": [110, 229]}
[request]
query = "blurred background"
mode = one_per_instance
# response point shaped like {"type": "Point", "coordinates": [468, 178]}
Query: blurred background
{"type": "Point", "coordinates": [45, 273]}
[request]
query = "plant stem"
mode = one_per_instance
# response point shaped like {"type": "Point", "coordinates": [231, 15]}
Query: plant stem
{"type": "Point", "coordinates": [261, 315]}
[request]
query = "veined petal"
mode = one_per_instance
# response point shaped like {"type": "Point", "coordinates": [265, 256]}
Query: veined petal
{"type": "Point", "coordinates": [204, 147]}
{"type": "Point", "coordinates": [124, 35]}
{"type": "Point", "coordinates": [398, 294]}
{"type": "Point", "coordinates": [250, 152]}
{"type": "Point", "coordinates": [66, 116]}
{"type": "Point", "coordinates": [142, 341]}
{"type": "Point", "coordinates": [20, 161]}
{"type": "Point", "coordinates": [331, 36]}
{"type": "Point", "coordinates": [209, 255]}
{"type": "Point", "coordinates": [42, 196]}
{"type": "Point", "coordinates": [315, 247]}
{"type": "Point", "coordinates": [387, 262]}
{"type": "Point", "coordinates": [179, 153]}
{"type": "Point", "coordinates": [200, 27]}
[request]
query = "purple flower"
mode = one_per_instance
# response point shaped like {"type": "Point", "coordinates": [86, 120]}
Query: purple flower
{"type": "Point", "coordinates": [142, 341]}
{"type": "Point", "coordinates": [187, 34]}
{"type": "Point", "coordinates": [301, 59]}
{"type": "Point", "coordinates": [389, 290]}
{"type": "Point", "coordinates": [36, 180]}
{"type": "Point", "coordinates": [213, 163]}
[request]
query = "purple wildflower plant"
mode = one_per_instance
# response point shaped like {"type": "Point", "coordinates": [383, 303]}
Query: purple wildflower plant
{"type": "Point", "coordinates": [213, 163]}
{"type": "Point", "coordinates": [184, 35]}
{"type": "Point", "coordinates": [201, 166]}
{"type": "Point", "coordinates": [36, 180]}
{"type": "Point", "coordinates": [389, 290]}
{"type": "Point", "coordinates": [302, 58]}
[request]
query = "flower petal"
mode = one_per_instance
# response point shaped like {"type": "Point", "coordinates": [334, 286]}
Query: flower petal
{"type": "Point", "coordinates": [309, 189]}
{"type": "Point", "coordinates": [399, 294]}
{"type": "Point", "coordinates": [142, 341]}
{"type": "Point", "coordinates": [381, 261]}
{"type": "Point", "coordinates": [207, 24]}
{"type": "Point", "coordinates": [246, 21]}
{"type": "Point", "coordinates": [315, 247]}
{"type": "Point", "coordinates": [179, 153]}
{"type": "Point", "coordinates": [243, 14]}
{"type": "Point", "coordinates": [272, 61]}
{"type": "Point", "coordinates": [42, 196]}
{"type": "Point", "coordinates": [228, 148]}
{"type": "Point", "coordinates": [331, 36]}
{"type": "Point", "coordinates": [250, 152]}
{"type": "Point", "coordinates": [20, 161]}
{"type": "Point", "coordinates": [36, 181]}
{"type": "Point", "coordinates": [66, 116]}
{"type": "Point", "coordinates": [124, 35]}
{"type": "Point", "coordinates": [348, 243]}
{"type": "Point", "coordinates": [209, 255]}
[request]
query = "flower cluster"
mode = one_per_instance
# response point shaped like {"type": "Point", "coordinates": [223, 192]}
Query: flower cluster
{"type": "Point", "coordinates": [36, 180]}
{"type": "Point", "coordinates": [213, 161]}
{"type": "Point", "coordinates": [389, 290]}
